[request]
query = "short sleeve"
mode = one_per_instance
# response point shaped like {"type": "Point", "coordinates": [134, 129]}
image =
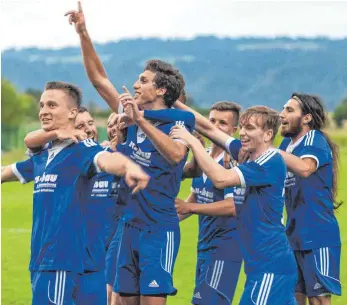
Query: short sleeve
{"type": "Point", "coordinates": [24, 170]}
{"type": "Point", "coordinates": [284, 144]}
{"type": "Point", "coordinates": [233, 147]}
{"type": "Point", "coordinates": [89, 151]}
{"type": "Point", "coordinates": [261, 172]}
{"type": "Point", "coordinates": [229, 192]}
{"type": "Point", "coordinates": [317, 148]}
{"type": "Point", "coordinates": [176, 116]}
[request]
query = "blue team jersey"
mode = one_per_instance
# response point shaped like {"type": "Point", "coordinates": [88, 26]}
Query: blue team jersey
{"type": "Point", "coordinates": [216, 233]}
{"type": "Point", "coordinates": [311, 222]}
{"type": "Point", "coordinates": [262, 235]}
{"type": "Point", "coordinates": [154, 206]}
{"type": "Point", "coordinates": [102, 213]}
{"type": "Point", "coordinates": [61, 176]}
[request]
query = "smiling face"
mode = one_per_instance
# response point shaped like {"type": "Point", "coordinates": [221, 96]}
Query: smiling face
{"type": "Point", "coordinates": [223, 120]}
{"type": "Point", "coordinates": [145, 90]}
{"type": "Point", "coordinates": [85, 122]}
{"type": "Point", "coordinates": [292, 119]}
{"type": "Point", "coordinates": [258, 127]}
{"type": "Point", "coordinates": [57, 109]}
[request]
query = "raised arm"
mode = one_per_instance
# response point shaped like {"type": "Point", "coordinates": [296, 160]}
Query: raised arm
{"type": "Point", "coordinates": [205, 127]}
{"type": "Point", "coordinates": [219, 176]}
{"type": "Point", "coordinates": [92, 63]}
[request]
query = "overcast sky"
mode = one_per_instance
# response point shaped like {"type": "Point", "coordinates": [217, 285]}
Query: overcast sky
{"type": "Point", "coordinates": [41, 22]}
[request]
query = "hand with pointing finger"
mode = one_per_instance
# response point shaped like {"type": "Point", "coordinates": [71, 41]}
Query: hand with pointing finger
{"type": "Point", "coordinates": [131, 108]}
{"type": "Point", "coordinates": [77, 17]}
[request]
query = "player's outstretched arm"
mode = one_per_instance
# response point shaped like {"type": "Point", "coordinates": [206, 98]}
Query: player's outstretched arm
{"type": "Point", "coordinates": [219, 176]}
{"type": "Point", "coordinates": [40, 138]}
{"type": "Point", "coordinates": [119, 165]}
{"type": "Point", "coordinates": [224, 207]}
{"type": "Point", "coordinates": [205, 127]}
{"type": "Point", "coordinates": [92, 63]}
{"type": "Point", "coordinates": [304, 167]}
{"type": "Point", "coordinates": [7, 174]}
{"type": "Point", "coordinates": [171, 150]}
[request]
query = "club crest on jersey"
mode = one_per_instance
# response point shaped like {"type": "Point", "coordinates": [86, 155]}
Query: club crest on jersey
{"type": "Point", "coordinates": [140, 135]}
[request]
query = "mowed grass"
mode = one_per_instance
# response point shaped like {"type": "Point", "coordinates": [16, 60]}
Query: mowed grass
{"type": "Point", "coordinates": [16, 225]}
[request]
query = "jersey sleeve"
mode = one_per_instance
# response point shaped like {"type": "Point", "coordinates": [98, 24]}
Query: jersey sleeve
{"type": "Point", "coordinates": [284, 144]}
{"type": "Point", "coordinates": [261, 172]}
{"type": "Point", "coordinates": [24, 170]}
{"type": "Point", "coordinates": [229, 192]}
{"type": "Point", "coordinates": [89, 151]}
{"type": "Point", "coordinates": [317, 148]}
{"type": "Point", "coordinates": [179, 117]}
{"type": "Point", "coordinates": [233, 147]}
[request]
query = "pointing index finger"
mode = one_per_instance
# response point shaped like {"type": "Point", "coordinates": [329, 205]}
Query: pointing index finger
{"type": "Point", "coordinates": [126, 89]}
{"type": "Point", "coordinates": [79, 7]}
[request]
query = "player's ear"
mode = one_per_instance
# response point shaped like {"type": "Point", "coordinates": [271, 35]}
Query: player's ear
{"type": "Point", "coordinates": [307, 118]}
{"type": "Point", "coordinates": [268, 135]}
{"type": "Point", "coordinates": [161, 92]}
{"type": "Point", "coordinates": [73, 113]}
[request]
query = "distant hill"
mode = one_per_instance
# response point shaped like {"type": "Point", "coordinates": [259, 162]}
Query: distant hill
{"type": "Point", "coordinates": [249, 71]}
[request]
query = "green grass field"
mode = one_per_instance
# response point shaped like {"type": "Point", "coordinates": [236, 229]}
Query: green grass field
{"type": "Point", "coordinates": [16, 225]}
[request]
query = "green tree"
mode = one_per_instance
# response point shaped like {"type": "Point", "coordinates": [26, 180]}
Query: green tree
{"type": "Point", "coordinates": [14, 106]}
{"type": "Point", "coordinates": [340, 113]}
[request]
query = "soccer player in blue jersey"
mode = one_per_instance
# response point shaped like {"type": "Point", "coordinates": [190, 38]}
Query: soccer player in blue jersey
{"type": "Point", "coordinates": [102, 217]}
{"type": "Point", "coordinates": [61, 175]}
{"type": "Point", "coordinates": [269, 260]}
{"type": "Point", "coordinates": [219, 256]}
{"type": "Point", "coordinates": [150, 237]}
{"type": "Point", "coordinates": [311, 186]}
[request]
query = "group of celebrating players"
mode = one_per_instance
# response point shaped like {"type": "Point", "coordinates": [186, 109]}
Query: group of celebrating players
{"type": "Point", "coordinates": [106, 217]}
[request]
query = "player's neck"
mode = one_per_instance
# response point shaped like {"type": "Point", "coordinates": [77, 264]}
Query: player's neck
{"type": "Point", "coordinates": [155, 105]}
{"type": "Point", "coordinates": [303, 132]}
{"type": "Point", "coordinates": [215, 151]}
{"type": "Point", "coordinates": [260, 150]}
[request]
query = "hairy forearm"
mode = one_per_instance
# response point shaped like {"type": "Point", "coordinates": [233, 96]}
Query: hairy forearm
{"type": "Point", "coordinates": [7, 174]}
{"type": "Point", "coordinates": [96, 72]}
{"type": "Point", "coordinates": [91, 60]}
{"type": "Point", "coordinates": [39, 138]}
{"type": "Point", "coordinates": [167, 147]}
{"type": "Point", "coordinates": [219, 176]}
{"type": "Point", "coordinates": [302, 167]}
{"type": "Point", "coordinates": [224, 207]}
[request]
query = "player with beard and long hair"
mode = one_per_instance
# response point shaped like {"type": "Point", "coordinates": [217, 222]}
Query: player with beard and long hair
{"type": "Point", "coordinates": [310, 190]}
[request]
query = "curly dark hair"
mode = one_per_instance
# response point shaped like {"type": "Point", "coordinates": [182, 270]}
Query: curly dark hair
{"type": "Point", "coordinates": [167, 77]}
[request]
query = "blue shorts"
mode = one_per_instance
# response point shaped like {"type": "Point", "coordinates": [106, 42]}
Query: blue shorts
{"type": "Point", "coordinates": [111, 257]}
{"type": "Point", "coordinates": [269, 289]}
{"type": "Point", "coordinates": [110, 231]}
{"type": "Point", "coordinates": [319, 271]}
{"type": "Point", "coordinates": [92, 288]}
{"type": "Point", "coordinates": [215, 281]}
{"type": "Point", "coordinates": [54, 287]}
{"type": "Point", "coordinates": [146, 261]}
